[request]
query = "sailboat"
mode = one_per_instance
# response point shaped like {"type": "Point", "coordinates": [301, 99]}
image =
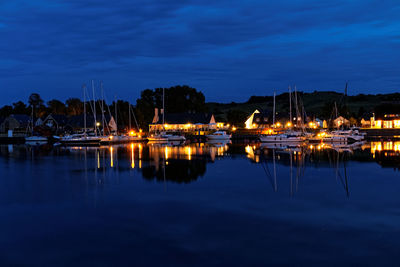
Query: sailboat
{"type": "Point", "coordinates": [289, 136]}
{"type": "Point", "coordinates": [164, 137]}
{"type": "Point", "coordinates": [35, 139]}
{"type": "Point", "coordinates": [84, 138]}
{"type": "Point", "coordinates": [339, 135]}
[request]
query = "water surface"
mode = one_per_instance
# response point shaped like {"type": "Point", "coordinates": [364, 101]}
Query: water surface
{"type": "Point", "coordinates": [199, 205]}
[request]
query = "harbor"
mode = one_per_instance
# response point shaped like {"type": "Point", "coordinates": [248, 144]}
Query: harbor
{"type": "Point", "coordinates": [173, 133]}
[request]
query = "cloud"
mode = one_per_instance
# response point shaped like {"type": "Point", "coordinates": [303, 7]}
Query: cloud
{"type": "Point", "coordinates": [226, 45]}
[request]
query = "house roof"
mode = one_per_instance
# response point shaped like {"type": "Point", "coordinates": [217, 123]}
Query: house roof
{"type": "Point", "coordinates": [21, 118]}
{"type": "Point", "coordinates": [60, 119]}
{"type": "Point", "coordinates": [183, 118]}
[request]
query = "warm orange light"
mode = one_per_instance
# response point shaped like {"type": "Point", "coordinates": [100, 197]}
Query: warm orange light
{"type": "Point", "coordinates": [234, 128]}
{"type": "Point", "coordinates": [132, 157]}
{"type": "Point", "coordinates": [112, 157]}
{"type": "Point", "coordinates": [132, 133]}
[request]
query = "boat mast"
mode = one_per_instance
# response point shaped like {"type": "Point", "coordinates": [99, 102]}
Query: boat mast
{"type": "Point", "coordinates": [290, 105]}
{"type": "Point", "coordinates": [273, 116]}
{"type": "Point", "coordinates": [129, 111]}
{"type": "Point", "coordinates": [163, 107]}
{"type": "Point", "coordinates": [32, 121]}
{"type": "Point", "coordinates": [297, 108]}
{"type": "Point", "coordinates": [84, 109]}
{"type": "Point", "coordinates": [94, 110]}
{"type": "Point", "coordinates": [102, 106]}
{"type": "Point", "coordinates": [116, 115]}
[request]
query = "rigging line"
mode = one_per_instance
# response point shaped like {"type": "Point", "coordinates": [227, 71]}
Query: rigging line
{"type": "Point", "coordinates": [134, 117]}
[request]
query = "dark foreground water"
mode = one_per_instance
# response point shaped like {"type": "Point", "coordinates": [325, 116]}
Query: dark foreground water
{"type": "Point", "coordinates": [199, 205]}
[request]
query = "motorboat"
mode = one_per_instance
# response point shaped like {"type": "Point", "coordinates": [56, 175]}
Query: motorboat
{"type": "Point", "coordinates": [287, 137]}
{"type": "Point", "coordinates": [219, 135]}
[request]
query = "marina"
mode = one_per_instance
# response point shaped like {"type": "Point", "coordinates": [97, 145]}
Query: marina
{"type": "Point", "coordinates": [199, 133]}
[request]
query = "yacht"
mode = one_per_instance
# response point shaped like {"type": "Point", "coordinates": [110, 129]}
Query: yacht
{"type": "Point", "coordinates": [339, 136]}
{"type": "Point", "coordinates": [80, 139]}
{"type": "Point", "coordinates": [219, 135]}
{"type": "Point", "coordinates": [158, 138]}
{"type": "Point", "coordinates": [286, 137]}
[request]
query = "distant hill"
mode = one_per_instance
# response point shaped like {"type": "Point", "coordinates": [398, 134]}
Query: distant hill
{"type": "Point", "coordinates": [316, 104]}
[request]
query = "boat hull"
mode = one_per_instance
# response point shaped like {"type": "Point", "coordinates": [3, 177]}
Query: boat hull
{"type": "Point", "coordinates": [281, 139]}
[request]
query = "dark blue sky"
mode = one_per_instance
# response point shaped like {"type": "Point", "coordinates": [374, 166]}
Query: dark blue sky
{"type": "Point", "coordinates": [227, 49]}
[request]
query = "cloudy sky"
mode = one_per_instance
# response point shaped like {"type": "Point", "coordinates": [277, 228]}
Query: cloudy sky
{"type": "Point", "coordinates": [228, 49]}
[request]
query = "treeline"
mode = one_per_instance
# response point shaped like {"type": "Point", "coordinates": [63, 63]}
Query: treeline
{"type": "Point", "coordinates": [317, 104]}
{"type": "Point", "coordinates": [177, 99]}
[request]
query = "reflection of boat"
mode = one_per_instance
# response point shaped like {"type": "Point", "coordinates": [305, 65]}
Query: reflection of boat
{"type": "Point", "coordinates": [345, 147]}
{"type": "Point", "coordinates": [280, 145]}
{"type": "Point", "coordinates": [218, 143]}
{"type": "Point", "coordinates": [80, 139]}
{"type": "Point", "coordinates": [219, 135]}
{"type": "Point", "coordinates": [35, 140]}
{"type": "Point", "coordinates": [165, 143]}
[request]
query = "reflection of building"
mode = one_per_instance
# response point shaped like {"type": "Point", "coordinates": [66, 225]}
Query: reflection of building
{"type": "Point", "coordinates": [184, 122]}
{"type": "Point", "coordinates": [386, 153]}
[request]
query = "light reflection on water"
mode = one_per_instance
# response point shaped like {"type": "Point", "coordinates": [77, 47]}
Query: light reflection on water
{"type": "Point", "coordinates": [172, 205]}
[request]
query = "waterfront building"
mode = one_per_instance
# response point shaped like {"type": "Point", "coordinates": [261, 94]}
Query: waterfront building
{"type": "Point", "coordinates": [387, 121]}
{"type": "Point", "coordinates": [18, 123]}
{"type": "Point", "coordinates": [185, 122]}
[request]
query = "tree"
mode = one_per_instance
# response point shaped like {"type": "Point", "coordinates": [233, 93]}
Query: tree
{"type": "Point", "coordinates": [237, 117]}
{"type": "Point", "coordinates": [20, 108]}
{"type": "Point", "coordinates": [35, 102]}
{"type": "Point", "coordinates": [6, 111]}
{"type": "Point", "coordinates": [74, 106]}
{"type": "Point", "coordinates": [56, 107]}
{"type": "Point", "coordinates": [178, 99]}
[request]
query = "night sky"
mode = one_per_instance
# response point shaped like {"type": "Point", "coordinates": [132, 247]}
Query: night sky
{"type": "Point", "coordinates": [228, 49]}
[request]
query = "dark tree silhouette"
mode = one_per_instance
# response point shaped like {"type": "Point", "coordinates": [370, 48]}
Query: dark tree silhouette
{"type": "Point", "coordinates": [56, 107]}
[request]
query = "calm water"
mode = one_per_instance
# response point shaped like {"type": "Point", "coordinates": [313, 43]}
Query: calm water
{"type": "Point", "coordinates": [200, 205]}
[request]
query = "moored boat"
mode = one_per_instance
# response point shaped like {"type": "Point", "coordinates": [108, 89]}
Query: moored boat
{"type": "Point", "coordinates": [80, 139]}
{"type": "Point", "coordinates": [219, 135]}
{"type": "Point", "coordinates": [287, 137]}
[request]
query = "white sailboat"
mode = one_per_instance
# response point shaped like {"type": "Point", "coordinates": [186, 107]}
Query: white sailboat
{"type": "Point", "coordinates": [163, 137]}
{"type": "Point", "coordinates": [82, 139]}
{"type": "Point", "coordinates": [35, 139]}
{"type": "Point", "coordinates": [288, 136]}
